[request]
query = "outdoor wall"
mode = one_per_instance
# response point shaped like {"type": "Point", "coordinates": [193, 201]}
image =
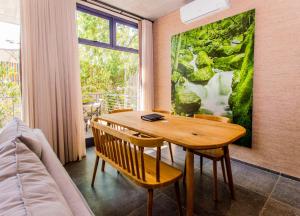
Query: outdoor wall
{"type": "Point", "coordinates": [276, 105]}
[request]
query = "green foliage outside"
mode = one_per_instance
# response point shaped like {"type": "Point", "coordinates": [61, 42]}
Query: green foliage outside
{"type": "Point", "coordinates": [9, 96]}
{"type": "Point", "coordinates": [111, 74]}
{"type": "Point", "coordinates": [212, 70]}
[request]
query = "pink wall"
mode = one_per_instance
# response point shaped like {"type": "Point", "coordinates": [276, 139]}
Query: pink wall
{"type": "Point", "coordinates": [276, 114]}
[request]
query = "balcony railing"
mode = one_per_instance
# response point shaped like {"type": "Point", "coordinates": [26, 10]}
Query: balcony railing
{"type": "Point", "coordinates": [9, 107]}
{"type": "Point", "coordinates": [97, 104]}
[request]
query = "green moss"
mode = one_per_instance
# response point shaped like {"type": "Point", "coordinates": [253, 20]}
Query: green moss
{"type": "Point", "coordinates": [202, 75]}
{"type": "Point", "coordinates": [185, 68]}
{"type": "Point", "coordinates": [240, 101]}
{"type": "Point", "coordinates": [203, 60]}
{"type": "Point", "coordinates": [229, 63]}
{"type": "Point", "coordinates": [186, 101]}
{"type": "Point", "coordinates": [205, 111]}
{"type": "Point", "coordinates": [227, 50]}
{"type": "Point", "coordinates": [186, 55]}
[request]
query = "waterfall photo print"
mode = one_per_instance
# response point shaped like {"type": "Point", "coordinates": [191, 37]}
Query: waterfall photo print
{"type": "Point", "coordinates": [212, 71]}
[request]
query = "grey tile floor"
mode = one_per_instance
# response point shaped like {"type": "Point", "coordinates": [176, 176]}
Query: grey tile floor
{"type": "Point", "coordinates": [258, 192]}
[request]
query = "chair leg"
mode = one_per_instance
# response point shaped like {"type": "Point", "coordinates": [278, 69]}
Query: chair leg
{"type": "Point", "coordinates": [103, 166]}
{"type": "Point", "coordinates": [184, 172]}
{"type": "Point", "coordinates": [95, 170]}
{"type": "Point", "coordinates": [150, 202]}
{"type": "Point", "coordinates": [223, 170]}
{"type": "Point", "coordinates": [171, 153]}
{"type": "Point", "coordinates": [215, 180]}
{"type": "Point", "coordinates": [177, 191]}
{"type": "Point", "coordinates": [201, 164]}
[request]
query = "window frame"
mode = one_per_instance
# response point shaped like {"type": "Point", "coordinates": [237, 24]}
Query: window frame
{"type": "Point", "coordinates": [113, 20]}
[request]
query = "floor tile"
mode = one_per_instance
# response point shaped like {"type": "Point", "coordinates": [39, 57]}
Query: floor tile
{"type": "Point", "coordinates": [248, 177]}
{"type": "Point", "coordinates": [287, 191]}
{"type": "Point", "coordinates": [274, 207]}
{"type": "Point", "coordinates": [111, 190]}
{"type": "Point", "coordinates": [249, 202]}
{"type": "Point", "coordinates": [254, 179]}
{"type": "Point", "coordinates": [162, 205]}
{"type": "Point", "coordinates": [113, 194]}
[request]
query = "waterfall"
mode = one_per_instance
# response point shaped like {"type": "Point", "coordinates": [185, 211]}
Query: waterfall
{"type": "Point", "coordinates": [214, 95]}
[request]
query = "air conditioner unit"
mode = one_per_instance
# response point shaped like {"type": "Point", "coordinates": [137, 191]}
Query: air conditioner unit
{"type": "Point", "coordinates": [200, 8]}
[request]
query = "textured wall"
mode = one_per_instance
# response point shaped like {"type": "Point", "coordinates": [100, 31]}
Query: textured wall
{"type": "Point", "coordinates": [276, 106]}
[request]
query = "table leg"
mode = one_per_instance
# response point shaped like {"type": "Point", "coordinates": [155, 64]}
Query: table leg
{"type": "Point", "coordinates": [189, 182]}
{"type": "Point", "coordinates": [228, 169]}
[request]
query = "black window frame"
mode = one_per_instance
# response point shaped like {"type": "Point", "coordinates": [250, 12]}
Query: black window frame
{"type": "Point", "coordinates": [113, 20]}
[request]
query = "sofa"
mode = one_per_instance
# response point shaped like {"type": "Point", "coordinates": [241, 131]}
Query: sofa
{"type": "Point", "coordinates": [32, 179]}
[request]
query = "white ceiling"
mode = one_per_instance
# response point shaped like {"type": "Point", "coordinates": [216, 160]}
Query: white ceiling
{"type": "Point", "coordinates": [150, 9]}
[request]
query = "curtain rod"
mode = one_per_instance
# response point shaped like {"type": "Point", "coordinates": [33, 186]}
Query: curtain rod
{"type": "Point", "coordinates": [116, 10]}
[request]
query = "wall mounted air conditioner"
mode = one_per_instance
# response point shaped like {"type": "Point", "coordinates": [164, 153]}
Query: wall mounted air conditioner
{"type": "Point", "coordinates": [200, 8]}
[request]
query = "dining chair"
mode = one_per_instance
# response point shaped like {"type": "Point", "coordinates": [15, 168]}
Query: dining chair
{"type": "Point", "coordinates": [213, 154]}
{"type": "Point", "coordinates": [170, 145]}
{"type": "Point", "coordinates": [125, 152]}
{"type": "Point", "coordinates": [120, 110]}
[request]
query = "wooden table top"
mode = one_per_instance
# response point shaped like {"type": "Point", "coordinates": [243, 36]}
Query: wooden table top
{"type": "Point", "coordinates": [184, 131]}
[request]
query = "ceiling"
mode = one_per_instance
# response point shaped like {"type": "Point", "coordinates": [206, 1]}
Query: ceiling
{"type": "Point", "coordinates": [150, 9]}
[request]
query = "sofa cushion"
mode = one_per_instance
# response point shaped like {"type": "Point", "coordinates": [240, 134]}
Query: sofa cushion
{"type": "Point", "coordinates": [72, 195]}
{"type": "Point", "coordinates": [17, 129]}
{"type": "Point", "coordinates": [26, 188]}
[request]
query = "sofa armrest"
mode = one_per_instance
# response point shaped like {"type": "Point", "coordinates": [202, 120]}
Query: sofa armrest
{"type": "Point", "coordinates": [72, 195]}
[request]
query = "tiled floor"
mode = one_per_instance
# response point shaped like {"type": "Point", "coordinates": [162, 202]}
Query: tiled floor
{"type": "Point", "coordinates": [257, 192]}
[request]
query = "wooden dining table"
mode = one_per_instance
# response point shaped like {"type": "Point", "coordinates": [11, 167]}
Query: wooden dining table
{"type": "Point", "coordinates": [187, 132]}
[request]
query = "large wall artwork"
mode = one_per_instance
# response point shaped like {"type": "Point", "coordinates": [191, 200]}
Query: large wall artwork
{"type": "Point", "coordinates": [212, 70]}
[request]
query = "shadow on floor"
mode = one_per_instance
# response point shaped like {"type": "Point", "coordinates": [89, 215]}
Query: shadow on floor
{"type": "Point", "coordinates": [258, 192]}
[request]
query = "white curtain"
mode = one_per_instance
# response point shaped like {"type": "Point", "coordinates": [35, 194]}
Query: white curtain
{"type": "Point", "coordinates": [146, 65]}
{"type": "Point", "coordinates": [51, 91]}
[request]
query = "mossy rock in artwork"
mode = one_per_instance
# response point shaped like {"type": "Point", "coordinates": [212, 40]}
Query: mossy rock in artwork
{"type": "Point", "coordinates": [186, 101]}
{"type": "Point", "coordinates": [229, 63]}
{"type": "Point", "coordinates": [185, 68]}
{"type": "Point", "coordinates": [229, 50]}
{"type": "Point", "coordinates": [205, 111]}
{"type": "Point", "coordinates": [203, 60]}
{"type": "Point", "coordinates": [186, 55]}
{"type": "Point", "coordinates": [201, 76]}
{"type": "Point", "coordinates": [176, 77]}
{"type": "Point", "coordinates": [240, 101]}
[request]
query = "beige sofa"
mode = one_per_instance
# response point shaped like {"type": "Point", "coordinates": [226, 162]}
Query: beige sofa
{"type": "Point", "coordinates": [32, 179]}
{"type": "Point", "coordinates": [74, 198]}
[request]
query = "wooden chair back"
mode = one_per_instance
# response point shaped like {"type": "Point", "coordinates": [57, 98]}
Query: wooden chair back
{"type": "Point", "coordinates": [121, 110]}
{"type": "Point", "coordinates": [125, 151]}
{"type": "Point", "coordinates": [213, 118]}
{"type": "Point", "coordinates": [161, 111]}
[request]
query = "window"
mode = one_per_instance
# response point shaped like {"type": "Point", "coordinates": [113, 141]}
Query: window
{"type": "Point", "coordinates": [99, 29]}
{"type": "Point", "coordinates": [127, 36]}
{"type": "Point", "coordinates": [10, 100]}
{"type": "Point", "coordinates": [99, 33]}
{"type": "Point", "coordinates": [109, 62]}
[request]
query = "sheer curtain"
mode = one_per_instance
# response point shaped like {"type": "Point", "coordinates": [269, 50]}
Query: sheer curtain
{"type": "Point", "coordinates": [51, 91]}
{"type": "Point", "coordinates": [146, 65]}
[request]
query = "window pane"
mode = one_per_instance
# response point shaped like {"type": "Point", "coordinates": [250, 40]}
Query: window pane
{"type": "Point", "coordinates": [109, 80]}
{"type": "Point", "coordinates": [93, 28]}
{"type": "Point", "coordinates": [127, 36]}
{"type": "Point", "coordinates": [10, 100]}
